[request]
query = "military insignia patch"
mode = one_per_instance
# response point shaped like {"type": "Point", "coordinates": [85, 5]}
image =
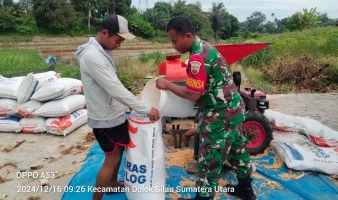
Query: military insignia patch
{"type": "Point", "coordinates": [195, 67]}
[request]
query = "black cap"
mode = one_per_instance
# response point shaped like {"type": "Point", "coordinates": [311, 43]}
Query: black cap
{"type": "Point", "coordinates": [118, 25]}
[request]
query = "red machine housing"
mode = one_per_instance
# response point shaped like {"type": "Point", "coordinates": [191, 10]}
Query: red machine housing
{"type": "Point", "coordinates": [175, 70]}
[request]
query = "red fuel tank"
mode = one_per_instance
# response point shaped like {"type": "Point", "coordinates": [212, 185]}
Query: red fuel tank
{"type": "Point", "coordinates": [174, 69]}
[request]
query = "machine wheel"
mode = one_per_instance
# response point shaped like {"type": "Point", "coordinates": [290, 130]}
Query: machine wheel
{"type": "Point", "coordinates": [258, 130]}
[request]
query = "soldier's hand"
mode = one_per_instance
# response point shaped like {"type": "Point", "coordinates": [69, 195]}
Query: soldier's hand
{"type": "Point", "coordinates": [162, 83]}
{"type": "Point", "coordinates": [154, 115]}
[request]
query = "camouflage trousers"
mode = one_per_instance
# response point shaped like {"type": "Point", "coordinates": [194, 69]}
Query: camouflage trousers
{"type": "Point", "coordinates": [220, 142]}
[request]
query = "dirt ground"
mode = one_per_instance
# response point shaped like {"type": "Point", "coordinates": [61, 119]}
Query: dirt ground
{"type": "Point", "coordinates": [321, 107]}
{"type": "Point", "coordinates": [44, 155]}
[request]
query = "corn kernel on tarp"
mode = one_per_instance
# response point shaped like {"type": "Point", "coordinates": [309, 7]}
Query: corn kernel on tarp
{"type": "Point", "coordinates": [274, 182]}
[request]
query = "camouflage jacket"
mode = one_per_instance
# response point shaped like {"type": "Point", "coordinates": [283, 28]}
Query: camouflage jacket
{"type": "Point", "coordinates": [209, 74]}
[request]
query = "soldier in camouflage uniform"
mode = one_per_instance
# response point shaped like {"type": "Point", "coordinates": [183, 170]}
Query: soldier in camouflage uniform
{"type": "Point", "coordinates": [221, 108]}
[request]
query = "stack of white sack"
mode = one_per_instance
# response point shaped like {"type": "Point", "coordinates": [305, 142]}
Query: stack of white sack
{"type": "Point", "coordinates": [48, 103]}
{"type": "Point", "coordinates": [9, 121]}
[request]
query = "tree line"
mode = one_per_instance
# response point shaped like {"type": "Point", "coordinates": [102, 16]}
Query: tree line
{"type": "Point", "coordinates": [77, 17]}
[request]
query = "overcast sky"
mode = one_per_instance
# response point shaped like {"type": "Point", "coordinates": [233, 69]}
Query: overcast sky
{"type": "Point", "coordinates": [281, 8]}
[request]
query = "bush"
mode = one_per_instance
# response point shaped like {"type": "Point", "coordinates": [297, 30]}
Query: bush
{"type": "Point", "coordinates": [125, 80]}
{"type": "Point", "coordinates": [157, 56]}
{"type": "Point", "coordinates": [161, 33]}
{"type": "Point", "coordinates": [332, 71]}
{"type": "Point", "coordinates": [55, 15]}
{"type": "Point", "coordinates": [306, 73]}
{"type": "Point", "coordinates": [7, 22]}
{"type": "Point", "coordinates": [253, 35]}
{"type": "Point", "coordinates": [26, 30]}
{"type": "Point", "coordinates": [161, 37]}
{"type": "Point", "coordinates": [143, 57]}
{"type": "Point", "coordinates": [331, 46]}
{"type": "Point", "coordinates": [207, 35]}
{"type": "Point", "coordinates": [80, 25]}
{"type": "Point", "coordinates": [260, 58]}
{"type": "Point", "coordinates": [139, 26]}
{"type": "Point", "coordinates": [26, 25]}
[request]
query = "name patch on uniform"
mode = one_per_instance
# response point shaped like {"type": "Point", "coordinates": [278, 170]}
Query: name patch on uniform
{"type": "Point", "coordinates": [195, 84]}
{"type": "Point", "coordinates": [195, 67]}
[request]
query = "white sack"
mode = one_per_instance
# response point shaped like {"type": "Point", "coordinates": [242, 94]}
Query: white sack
{"type": "Point", "coordinates": [33, 125]}
{"type": "Point", "coordinates": [62, 107]}
{"type": "Point", "coordinates": [308, 156]}
{"type": "Point", "coordinates": [290, 136]}
{"type": "Point", "coordinates": [8, 107]}
{"type": "Point", "coordinates": [65, 125]}
{"type": "Point", "coordinates": [9, 87]}
{"type": "Point", "coordinates": [318, 133]}
{"type": "Point", "coordinates": [10, 124]}
{"type": "Point", "coordinates": [26, 109]}
{"type": "Point", "coordinates": [145, 160]}
{"type": "Point", "coordinates": [58, 89]}
{"type": "Point", "coordinates": [33, 82]}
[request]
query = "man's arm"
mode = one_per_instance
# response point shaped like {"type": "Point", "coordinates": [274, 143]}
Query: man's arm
{"type": "Point", "coordinates": [195, 83]}
{"type": "Point", "coordinates": [182, 92]}
{"type": "Point", "coordinates": [99, 70]}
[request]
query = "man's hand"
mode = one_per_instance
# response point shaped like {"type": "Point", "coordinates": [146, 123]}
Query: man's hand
{"type": "Point", "coordinates": [162, 84]}
{"type": "Point", "coordinates": [154, 115]}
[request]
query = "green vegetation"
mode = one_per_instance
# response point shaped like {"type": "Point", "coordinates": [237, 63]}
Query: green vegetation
{"type": "Point", "coordinates": [287, 54]}
{"type": "Point", "coordinates": [21, 62]}
{"type": "Point", "coordinates": [318, 42]}
{"type": "Point", "coordinates": [139, 26]}
{"type": "Point", "coordinates": [258, 79]}
{"type": "Point", "coordinates": [157, 56]}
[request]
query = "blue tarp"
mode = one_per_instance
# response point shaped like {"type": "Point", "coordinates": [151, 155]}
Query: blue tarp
{"type": "Point", "coordinates": [309, 186]}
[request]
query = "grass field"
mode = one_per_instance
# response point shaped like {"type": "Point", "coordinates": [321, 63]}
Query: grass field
{"type": "Point", "coordinates": [15, 63]}
{"type": "Point", "coordinates": [287, 49]}
{"type": "Point", "coordinates": [21, 62]}
{"type": "Point", "coordinates": [262, 68]}
{"type": "Point", "coordinates": [316, 41]}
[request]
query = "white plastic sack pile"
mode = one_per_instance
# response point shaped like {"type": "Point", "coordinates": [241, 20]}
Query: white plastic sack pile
{"type": "Point", "coordinates": [65, 125]}
{"type": "Point", "coordinates": [145, 161]}
{"type": "Point", "coordinates": [9, 87]}
{"type": "Point", "coordinates": [8, 107]}
{"type": "Point", "coordinates": [62, 107]}
{"type": "Point", "coordinates": [58, 89]}
{"type": "Point", "coordinates": [33, 82]}
{"type": "Point", "coordinates": [26, 109]}
{"type": "Point", "coordinates": [290, 136]}
{"type": "Point", "coordinates": [318, 133]}
{"type": "Point", "coordinates": [33, 125]}
{"type": "Point", "coordinates": [308, 156]}
{"type": "Point", "coordinates": [10, 124]}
